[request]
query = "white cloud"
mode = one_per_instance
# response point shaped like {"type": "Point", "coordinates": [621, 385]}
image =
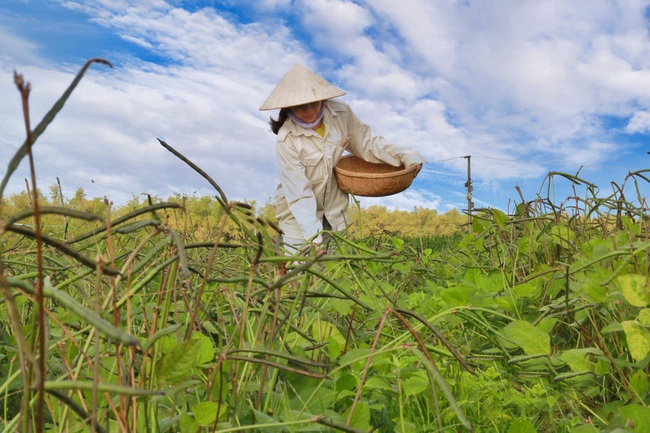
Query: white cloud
{"type": "Point", "coordinates": [522, 86]}
{"type": "Point", "coordinates": [408, 200]}
{"type": "Point", "coordinates": [16, 50]}
{"type": "Point", "coordinates": [335, 25]}
{"type": "Point", "coordinates": [639, 123]}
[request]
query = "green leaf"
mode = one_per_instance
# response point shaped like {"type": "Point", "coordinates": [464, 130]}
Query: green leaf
{"type": "Point", "coordinates": [398, 243]}
{"type": "Point", "coordinates": [527, 290]}
{"type": "Point", "coordinates": [324, 331]}
{"type": "Point", "coordinates": [188, 424]}
{"type": "Point", "coordinates": [335, 346]}
{"type": "Point", "coordinates": [634, 288]}
{"type": "Point", "coordinates": [638, 339]}
{"type": "Point", "coordinates": [477, 225]}
{"type": "Point", "coordinates": [638, 416]}
{"type": "Point", "coordinates": [409, 427]}
{"type": "Point", "coordinates": [594, 290]}
{"type": "Point", "coordinates": [562, 236]}
{"type": "Point", "coordinates": [579, 359]}
{"type": "Point", "coordinates": [341, 306]}
{"type": "Point", "coordinates": [205, 413]}
{"type": "Point", "coordinates": [644, 317]}
{"type": "Point", "coordinates": [522, 425]}
{"type": "Point", "coordinates": [532, 340]}
{"type": "Point", "coordinates": [547, 324]}
{"type": "Point", "coordinates": [602, 367]}
{"type": "Point", "coordinates": [378, 383]}
{"type": "Point", "coordinates": [639, 381]}
{"type": "Point", "coordinates": [360, 418]}
{"type": "Point", "coordinates": [347, 381]}
{"type": "Point", "coordinates": [177, 364]}
{"type": "Point", "coordinates": [584, 429]}
{"type": "Point", "coordinates": [415, 385]}
{"type": "Point", "coordinates": [315, 400]}
{"type": "Point", "coordinates": [159, 334]}
{"type": "Point", "coordinates": [356, 358]}
{"type": "Point", "coordinates": [206, 348]}
{"type": "Point", "coordinates": [262, 418]}
{"type": "Point", "coordinates": [208, 326]}
{"type": "Point", "coordinates": [613, 327]}
{"type": "Point", "coordinates": [590, 283]}
{"type": "Point", "coordinates": [499, 217]}
{"type": "Point", "coordinates": [456, 296]}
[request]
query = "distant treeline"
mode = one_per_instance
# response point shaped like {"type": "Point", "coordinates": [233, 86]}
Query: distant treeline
{"type": "Point", "coordinates": [201, 216]}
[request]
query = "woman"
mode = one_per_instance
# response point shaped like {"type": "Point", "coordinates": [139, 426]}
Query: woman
{"type": "Point", "coordinates": [312, 133]}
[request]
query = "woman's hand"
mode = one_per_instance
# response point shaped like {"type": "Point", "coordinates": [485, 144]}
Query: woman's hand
{"type": "Point", "coordinates": [417, 170]}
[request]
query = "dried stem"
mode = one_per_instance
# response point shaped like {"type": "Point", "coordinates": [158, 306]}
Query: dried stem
{"type": "Point", "coordinates": [24, 89]}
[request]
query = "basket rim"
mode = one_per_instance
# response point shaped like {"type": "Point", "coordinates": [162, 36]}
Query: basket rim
{"type": "Point", "coordinates": [349, 173]}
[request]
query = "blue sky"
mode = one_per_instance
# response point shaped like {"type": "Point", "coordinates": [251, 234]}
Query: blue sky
{"type": "Point", "coordinates": [525, 87]}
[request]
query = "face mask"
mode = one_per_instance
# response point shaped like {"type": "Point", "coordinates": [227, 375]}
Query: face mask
{"type": "Point", "coordinates": [311, 124]}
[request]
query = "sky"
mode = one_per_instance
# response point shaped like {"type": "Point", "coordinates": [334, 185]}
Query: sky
{"type": "Point", "coordinates": [526, 88]}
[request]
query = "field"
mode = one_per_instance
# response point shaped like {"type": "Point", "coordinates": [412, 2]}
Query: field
{"type": "Point", "coordinates": [533, 322]}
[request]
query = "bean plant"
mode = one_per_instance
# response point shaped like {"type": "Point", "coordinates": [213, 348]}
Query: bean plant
{"type": "Point", "coordinates": [534, 321]}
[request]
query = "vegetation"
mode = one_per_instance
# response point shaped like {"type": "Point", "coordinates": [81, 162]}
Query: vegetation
{"type": "Point", "coordinates": [204, 214]}
{"type": "Point", "coordinates": [537, 321]}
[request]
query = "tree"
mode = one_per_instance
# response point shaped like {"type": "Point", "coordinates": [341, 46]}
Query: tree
{"type": "Point", "coordinates": [79, 199]}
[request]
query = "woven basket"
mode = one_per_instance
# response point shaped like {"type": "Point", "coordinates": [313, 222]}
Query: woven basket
{"type": "Point", "coordinates": [368, 179]}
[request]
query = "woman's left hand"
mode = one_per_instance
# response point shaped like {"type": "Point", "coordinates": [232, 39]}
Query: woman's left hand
{"type": "Point", "coordinates": [417, 169]}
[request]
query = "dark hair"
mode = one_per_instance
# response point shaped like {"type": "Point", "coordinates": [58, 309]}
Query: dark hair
{"type": "Point", "coordinates": [277, 124]}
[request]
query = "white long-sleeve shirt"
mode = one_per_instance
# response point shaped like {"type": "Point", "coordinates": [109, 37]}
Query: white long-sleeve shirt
{"type": "Point", "coordinates": [308, 189]}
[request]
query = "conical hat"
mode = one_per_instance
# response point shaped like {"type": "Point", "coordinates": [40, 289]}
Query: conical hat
{"type": "Point", "coordinates": [300, 86]}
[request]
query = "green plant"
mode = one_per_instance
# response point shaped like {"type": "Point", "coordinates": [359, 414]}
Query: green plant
{"type": "Point", "coordinates": [134, 320]}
